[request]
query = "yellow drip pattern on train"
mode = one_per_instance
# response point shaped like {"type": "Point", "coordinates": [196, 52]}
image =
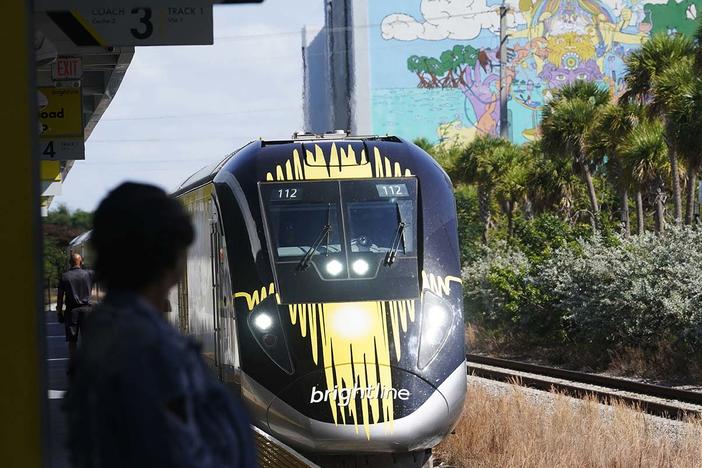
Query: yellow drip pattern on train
{"type": "Point", "coordinates": [327, 324]}
{"type": "Point", "coordinates": [355, 333]}
{"type": "Point", "coordinates": [342, 164]}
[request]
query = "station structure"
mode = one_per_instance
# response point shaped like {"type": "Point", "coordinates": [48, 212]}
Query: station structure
{"type": "Point", "coordinates": [66, 62]}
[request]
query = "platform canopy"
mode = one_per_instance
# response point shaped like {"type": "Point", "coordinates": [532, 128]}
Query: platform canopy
{"type": "Point", "coordinates": [83, 49]}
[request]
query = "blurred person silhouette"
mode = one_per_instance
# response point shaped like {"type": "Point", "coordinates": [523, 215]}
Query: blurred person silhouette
{"type": "Point", "coordinates": [142, 396]}
{"type": "Point", "coordinates": [74, 290]}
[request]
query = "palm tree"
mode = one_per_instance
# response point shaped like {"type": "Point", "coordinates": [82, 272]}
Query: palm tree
{"type": "Point", "coordinates": [512, 186]}
{"type": "Point", "coordinates": [482, 163]}
{"type": "Point", "coordinates": [643, 66]}
{"type": "Point", "coordinates": [645, 157]}
{"type": "Point", "coordinates": [679, 90]}
{"type": "Point", "coordinates": [609, 131]}
{"type": "Point", "coordinates": [551, 184]}
{"type": "Point", "coordinates": [566, 121]}
{"type": "Point", "coordinates": [425, 144]}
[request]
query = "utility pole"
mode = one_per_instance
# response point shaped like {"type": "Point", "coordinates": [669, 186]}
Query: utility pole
{"type": "Point", "coordinates": [504, 91]}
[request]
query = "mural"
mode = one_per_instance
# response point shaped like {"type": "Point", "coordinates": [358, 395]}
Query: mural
{"type": "Point", "coordinates": [435, 65]}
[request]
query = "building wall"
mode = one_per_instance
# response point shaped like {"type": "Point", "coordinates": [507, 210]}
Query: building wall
{"type": "Point", "coordinates": [433, 70]}
{"type": "Point", "coordinates": [316, 93]}
{"type": "Point", "coordinates": [339, 31]}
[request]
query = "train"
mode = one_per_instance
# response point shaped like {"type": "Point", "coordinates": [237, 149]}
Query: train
{"type": "Point", "coordinates": [324, 285]}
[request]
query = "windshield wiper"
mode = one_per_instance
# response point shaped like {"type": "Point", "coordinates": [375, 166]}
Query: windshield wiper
{"type": "Point", "coordinates": [398, 239]}
{"type": "Point", "coordinates": [324, 234]}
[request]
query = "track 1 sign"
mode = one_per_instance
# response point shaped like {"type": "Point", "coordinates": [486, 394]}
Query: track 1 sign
{"type": "Point", "coordinates": [176, 22]}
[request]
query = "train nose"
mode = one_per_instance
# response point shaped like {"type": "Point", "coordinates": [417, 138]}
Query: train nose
{"type": "Point", "coordinates": [348, 408]}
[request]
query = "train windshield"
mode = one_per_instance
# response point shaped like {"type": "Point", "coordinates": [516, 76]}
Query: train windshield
{"type": "Point", "coordinates": [373, 226]}
{"type": "Point", "coordinates": [326, 236]}
{"type": "Point", "coordinates": [299, 229]}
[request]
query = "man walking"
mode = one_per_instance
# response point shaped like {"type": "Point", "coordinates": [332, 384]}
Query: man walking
{"type": "Point", "coordinates": [74, 290]}
{"type": "Point", "coordinates": [142, 395]}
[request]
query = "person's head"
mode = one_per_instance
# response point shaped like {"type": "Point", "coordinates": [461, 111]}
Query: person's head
{"type": "Point", "coordinates": [140, 237]}
{"type": "Point", "coordinates": [76, 260]}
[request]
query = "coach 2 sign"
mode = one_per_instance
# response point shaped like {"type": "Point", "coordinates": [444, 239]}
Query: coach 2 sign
{"type": "Point", "coordinates": [133, 23]}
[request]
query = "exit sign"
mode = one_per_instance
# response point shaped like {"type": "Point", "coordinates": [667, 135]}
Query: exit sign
{"type": "Point", "coordinates": [66, 69]}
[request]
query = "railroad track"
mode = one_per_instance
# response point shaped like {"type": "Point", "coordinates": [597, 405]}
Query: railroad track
{"type": "Point", "coordinates": [658, 400]}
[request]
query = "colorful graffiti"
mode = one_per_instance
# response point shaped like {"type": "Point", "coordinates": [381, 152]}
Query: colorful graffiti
{"type": "Point", "coordinates": [447, 89]}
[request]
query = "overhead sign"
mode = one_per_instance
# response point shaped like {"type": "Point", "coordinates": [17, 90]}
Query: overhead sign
{"type": "Point", "coordinates": [62, 116]}
{"type": "Point", "coordinates": [66, 69]}
{"type": "Point", "coordinates": [61, 149]}
{"type": "Point", "coordinates": [61, 5]}
{"type": "Point", "coordinates": [61, 120]}
{"type": "Point", "coordinates": [147, 23]}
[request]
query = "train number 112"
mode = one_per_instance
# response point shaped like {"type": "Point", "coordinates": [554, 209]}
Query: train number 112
{"type": "Point", "coordinates": [287, 193]}
{"type": "Point", "coordinates": [392, 190]}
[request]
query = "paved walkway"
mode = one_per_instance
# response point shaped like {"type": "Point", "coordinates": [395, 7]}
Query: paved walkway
{"type": "Point", "coordinates": [57, 355]}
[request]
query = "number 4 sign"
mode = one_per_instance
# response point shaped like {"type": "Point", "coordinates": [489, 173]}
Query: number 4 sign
{"type": "Point", "coordinates": [61, 149]}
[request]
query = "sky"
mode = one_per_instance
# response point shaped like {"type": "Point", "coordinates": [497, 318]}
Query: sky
{"type": "Point", "coordinates": [181, 108]}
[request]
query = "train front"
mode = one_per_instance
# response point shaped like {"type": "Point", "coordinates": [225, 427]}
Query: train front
{"type": "Point", "coordinates": [354, 333]}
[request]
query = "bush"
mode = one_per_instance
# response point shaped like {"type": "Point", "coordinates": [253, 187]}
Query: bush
{"type": "Point", "coordinates": [639, 293]}
{"type": "Point", "coordinates": [469, 227]}
{"type": "Point", "coordinates": [501, 297]}
{"type": "Point", "coordinates": [599, 296]}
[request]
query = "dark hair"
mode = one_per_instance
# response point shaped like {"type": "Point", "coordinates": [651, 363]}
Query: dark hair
{"type": "Point", "coordinates": [138, 222]}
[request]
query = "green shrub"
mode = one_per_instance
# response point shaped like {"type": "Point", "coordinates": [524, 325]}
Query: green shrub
{"type": "Point", "coordinates": [638, 293]}
{"type": "Point", "coordinates": [599, 296]}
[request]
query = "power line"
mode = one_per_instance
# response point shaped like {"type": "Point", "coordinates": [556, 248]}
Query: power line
{"type": "Point", "coordinates": [160, 140]}
{"type": "Point", "coordinates": [203, 114]}
{"type": "Point", "coordinates": [349, 28]}
{"type": "Point", "coordinates": [154, 161]}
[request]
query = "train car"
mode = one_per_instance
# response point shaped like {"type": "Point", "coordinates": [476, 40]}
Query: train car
{"type": "Point", "coordinates": [324, 285]}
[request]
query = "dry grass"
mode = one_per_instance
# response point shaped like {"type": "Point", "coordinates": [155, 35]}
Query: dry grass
{"type": "Point", "coordinates": [481, 339]}
{"type": "Point", "coordinates": [514, 430]}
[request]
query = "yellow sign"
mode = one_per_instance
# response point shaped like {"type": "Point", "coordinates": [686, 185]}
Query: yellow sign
{"type": "Point", "coordinates": [62, 116]}
{"type": "Point", "coordinates": [50, 171]}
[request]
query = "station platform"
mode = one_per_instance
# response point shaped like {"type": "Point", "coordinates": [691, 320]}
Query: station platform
{"type": "Point", "coordinates": [271, 453]}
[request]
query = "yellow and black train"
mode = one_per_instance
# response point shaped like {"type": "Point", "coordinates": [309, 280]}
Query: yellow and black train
{"type": "Point", "coordinates": [324, 284]}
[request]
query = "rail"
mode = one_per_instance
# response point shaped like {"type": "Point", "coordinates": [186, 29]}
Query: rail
{"type": "Point", "coordinates": [540, 377]}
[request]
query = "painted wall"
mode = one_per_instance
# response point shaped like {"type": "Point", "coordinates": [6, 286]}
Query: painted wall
{"type": "Point", "coordinates": [434, 70]}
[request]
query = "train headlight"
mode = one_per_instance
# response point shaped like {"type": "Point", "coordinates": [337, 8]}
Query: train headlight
{"type": "Point", "coordinates": [267, 329]}
{"type": "Point", "coordinates": [350, 321]}
{"type": "Point", "coordinates": [437, 321]}
{"type": "Point", "coordinates": [334, 267]}
{"type": "Point", "coordinates": [360, 267]}
{"type": "Point", "coordinates": [263, 321]}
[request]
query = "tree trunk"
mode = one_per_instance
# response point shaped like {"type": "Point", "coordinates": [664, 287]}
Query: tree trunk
{"type": "Point", "coordinates": [484, 208]}
{"type": "Point", "coordinates": [639, 213]}
{"type": "Point", "coordinates": [462, 76]}
{"type": "Point", "coordinates": [677, 199]}
{"type": "Point", "coordinates": [422, 81]}
{"type": "Point", "coordinates": [692, 189]}
{"type": "Point", "coordinates": [528, 208]}
{"type": "Point", "coordinates": [593, 197]}
{"type": "Point", "coordinates": [660, 212]}
{"type": "Point", "coordinates": [434, 81]}
{"type": "Point", "coordinates": [624, 215]}
{"type": "Point", "coordinates": [510, 217]}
